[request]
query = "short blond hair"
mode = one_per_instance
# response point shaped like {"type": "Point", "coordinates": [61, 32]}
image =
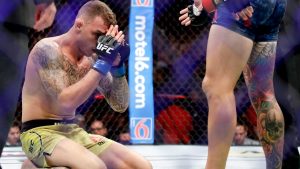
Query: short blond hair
{"type": "Point", "coordinates": [94, 8]}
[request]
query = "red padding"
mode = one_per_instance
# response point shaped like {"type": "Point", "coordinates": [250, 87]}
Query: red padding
{"type": "Point", "coordinates": [209, 5]}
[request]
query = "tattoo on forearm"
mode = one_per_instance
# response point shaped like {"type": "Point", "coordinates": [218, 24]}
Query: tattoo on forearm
{"type": "Point", "coordinates": [121, 94]}
{"type": "Point", "coordinates": [115, 91]}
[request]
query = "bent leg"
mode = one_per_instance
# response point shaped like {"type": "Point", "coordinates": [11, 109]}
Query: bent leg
{"type": "Point", "coordinates": [72, 155]}
{"type": "Point", "coordinates": [117, 156]}
{"type": "Point", "coordinates": [227, 55]}
{"type": "Point", "coordinates": [259, 78]}
{"type": "Point", "coordinates": [27, 164]}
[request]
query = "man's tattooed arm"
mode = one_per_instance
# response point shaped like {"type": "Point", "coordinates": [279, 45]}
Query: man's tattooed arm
{"type": "Point", "coordinates": [116, 92]}
{"type": "Point", "coordinates": [64, 81]}
{"type": "Point", "coordinates": [46, 60]}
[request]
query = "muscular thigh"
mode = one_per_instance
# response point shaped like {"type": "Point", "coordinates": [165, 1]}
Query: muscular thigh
{"type": "Point", "coordinates": [260, 67]}
{"type": "Point", "coordinates": [46, 145]}
{"type": "Point", "coordinates": [71, 154]}
{"type": "Point", "coordinates": [227, 55]}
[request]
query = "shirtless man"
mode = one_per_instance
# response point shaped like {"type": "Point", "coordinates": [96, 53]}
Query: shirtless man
{"type": "Point", "coordinates": [242, 39]}
{"type": "Point", "coordinates": [61, 74]}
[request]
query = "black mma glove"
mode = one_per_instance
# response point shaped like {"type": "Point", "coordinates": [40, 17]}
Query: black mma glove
{"type": "Point", "coordinates": [107, 50]}
{"type": "Point", "coordinates": [198, 17]}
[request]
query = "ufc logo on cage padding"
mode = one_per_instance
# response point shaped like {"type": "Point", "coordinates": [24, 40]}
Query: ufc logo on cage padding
{"type": "Point", "coordinates": [142, 128]}
{"type": "Point", "coordinates": [105, 48]}
{"type": "Point", "coordinates": [144, 3]}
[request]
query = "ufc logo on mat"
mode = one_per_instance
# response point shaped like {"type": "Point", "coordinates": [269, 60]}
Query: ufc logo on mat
{"type": "Point", "coordinates": [105, 48]}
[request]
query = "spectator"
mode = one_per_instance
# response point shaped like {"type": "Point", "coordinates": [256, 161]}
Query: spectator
{"type": "Point", "coordinates": [240, 137]}
{"type": "Point", "coordinates": [124, 138]}
{"type": "Point", "coordinates": [13, 138]}
{"type": "Point", "coordinates": [98, 127]}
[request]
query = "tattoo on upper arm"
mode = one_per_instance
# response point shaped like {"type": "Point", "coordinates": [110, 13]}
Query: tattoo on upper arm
{"type": "Point", "coordinates": [55, 71]}
{"type": "Point", "coordinates": [45, 58]}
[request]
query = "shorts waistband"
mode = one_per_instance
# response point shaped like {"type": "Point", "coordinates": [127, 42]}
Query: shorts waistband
{"type": "Point", "coordinates": [38, 123]}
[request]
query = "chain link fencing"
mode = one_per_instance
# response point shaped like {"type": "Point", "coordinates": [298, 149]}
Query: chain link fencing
{"type": "Point", "coordinates": [181, 109]}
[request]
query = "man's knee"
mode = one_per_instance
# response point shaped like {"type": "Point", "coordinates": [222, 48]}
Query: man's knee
{"type": "Point", "coordinates": [90, 162]}
{"type": "Point", "coordinates": [136, 165]}
{"type": "Point", "coordinates": [143, 163]}
{"type": "Point", "coordinates": [97, 164]}
{"type": "Point", "coordinates": [147, 164]}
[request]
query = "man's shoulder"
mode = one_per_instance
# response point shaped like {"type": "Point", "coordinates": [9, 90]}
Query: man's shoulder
{"type": "Point", "coordinates": [46, 48]}
{"type": "Point", "coordinates": [50, 43]}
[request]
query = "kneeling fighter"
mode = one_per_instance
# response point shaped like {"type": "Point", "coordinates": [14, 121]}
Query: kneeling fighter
{"type": "Point", "coordinates": [61, 73]}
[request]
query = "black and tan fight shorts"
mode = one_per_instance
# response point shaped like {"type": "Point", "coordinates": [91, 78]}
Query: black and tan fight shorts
{"type": "Point", "coordinates": [39, 138]}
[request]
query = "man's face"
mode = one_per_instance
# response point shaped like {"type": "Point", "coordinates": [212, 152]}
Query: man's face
{"type": "Point", "coordinates": [13, 135]}
{"type": "Point", "coordinates": [240, 135]}
{"type": "Point", "coordinates": [91, 30]}
{"type": "Point", "coordinates": [97, 127]}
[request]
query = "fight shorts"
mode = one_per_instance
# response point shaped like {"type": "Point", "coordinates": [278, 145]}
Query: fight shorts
{"type": "Point", "coordinates": [39, 138]}
{"type": "Point", "coordinates": [262, 26]}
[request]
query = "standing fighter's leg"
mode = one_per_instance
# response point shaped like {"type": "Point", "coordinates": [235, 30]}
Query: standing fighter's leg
{"type": "Point", "coordinates": [227, 55]}
{"type": "Point", "coordinates": [259, 78]}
